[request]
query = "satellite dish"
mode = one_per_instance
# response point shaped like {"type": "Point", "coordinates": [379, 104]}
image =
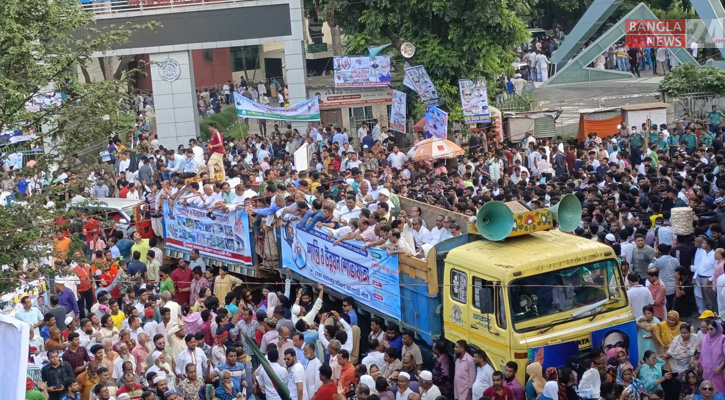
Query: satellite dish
{"type": "Point", "coordinates": [407, 49]}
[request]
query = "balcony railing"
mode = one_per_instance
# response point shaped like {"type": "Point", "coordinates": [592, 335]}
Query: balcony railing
{"type": "Point", "coordinates": [104, 7]}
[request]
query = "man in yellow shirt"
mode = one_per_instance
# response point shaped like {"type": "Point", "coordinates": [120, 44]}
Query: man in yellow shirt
{"type": "Point", "coordinates": [116, 315]}
{"type": "Point", "coordinates": [224, 283]}
{"type": "Point", "coordinates": [141, 245]}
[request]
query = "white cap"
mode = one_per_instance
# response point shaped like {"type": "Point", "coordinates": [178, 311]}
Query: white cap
{"type": "Point", "coordinates": [384, 192]}
{"type": "Point", "coordinates": [68, 320]}
{"type": "Point", "coordinates": [404, 375]}
{"type": "Point", "coordinates": [159, 379]}
{"type": "Point", "coordinates": [610, 237]}
{"type": "Point", "coordinates": [425, 376]}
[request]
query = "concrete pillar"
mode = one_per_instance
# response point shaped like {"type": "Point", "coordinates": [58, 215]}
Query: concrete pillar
{"type": "Point", "coordinates": [174, 97]}
{"type": "Point", "coordinates": [295, 62]}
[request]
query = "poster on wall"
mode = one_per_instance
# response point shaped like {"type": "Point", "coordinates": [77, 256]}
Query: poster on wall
{"type": "Point", "coordinates": [369, 276]}
{"type": "Point", "coordinates": [306, 111]}
{"type": "Point", "coordinates": [474, 101]}
{"type": "Point", "coordinates": [361, 71]}
{"type": "Point", "coordinates": [417, 79]}
{"type": "Point", "coordinates": [622, 335]}
{"type": "Point", "coordinates": [220, 235]}
{"type": "Point", "coordinates": [436, 123]}
{"type": "Point", "coordinates": [397, 112]}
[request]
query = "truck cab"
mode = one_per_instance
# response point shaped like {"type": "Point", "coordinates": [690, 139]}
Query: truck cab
{"type": "Point", "coordinates": [541, 297]}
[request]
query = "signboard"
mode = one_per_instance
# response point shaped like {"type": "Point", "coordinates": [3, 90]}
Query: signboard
{"type": "Point", "coordinates": [306, 111]}
{"type": "Point", "coordinates": [226, 236]}
{"type": "Point", "coordinates": [474, 101]}
{"type": "Point", "coordinates": [397, 113]}
{"type": "Point", "coordinates": [417, 79]}
{"type": "Point", "coordinates": [361, 71]}
{"type": "Point", "coordinates": [370, 277]}
{"type": "Point", "coordinates": [436, 123]}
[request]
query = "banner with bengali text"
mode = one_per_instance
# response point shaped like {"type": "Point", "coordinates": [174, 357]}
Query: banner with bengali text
{"type": "Point", "coordinates": [306, 111]}
{"type": "Point", "coordinates": [226, 236]}
{"type": "Point", "coordinates": [474, 101]}
{"type": "Point", "coordinates": [370, 277]}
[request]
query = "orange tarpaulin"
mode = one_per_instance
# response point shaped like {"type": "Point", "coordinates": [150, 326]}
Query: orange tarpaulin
{"type": "Point", "coordinates": [602, 127]}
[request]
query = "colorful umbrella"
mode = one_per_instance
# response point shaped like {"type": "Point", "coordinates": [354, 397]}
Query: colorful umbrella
{"type": "Point", "coordinates": [436, 148]}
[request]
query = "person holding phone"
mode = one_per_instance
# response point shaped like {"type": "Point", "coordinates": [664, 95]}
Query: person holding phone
{"type": "Point", "coordinates": [54, 375]}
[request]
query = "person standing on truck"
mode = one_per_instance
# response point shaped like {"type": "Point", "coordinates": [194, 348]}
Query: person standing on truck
{"type": "Point", "coordinates": [465, 372]}
{"type": "Point", "coordinates": [376, 330]}
{"type": "Point", "coordinates": [392, 338]}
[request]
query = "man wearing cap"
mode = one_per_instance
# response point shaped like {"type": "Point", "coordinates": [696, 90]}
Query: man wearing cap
{"type": "Point", "coordinates": [428, 391]}
{"type": "Point", "coordinates": [403, 386]}
{"type": "Point", "coordinates": [271, 334]}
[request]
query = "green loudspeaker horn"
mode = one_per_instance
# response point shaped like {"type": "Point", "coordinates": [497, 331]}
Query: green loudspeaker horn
{"type": "Point", "coordinates": [568, 213]}
{"type": "Point", "coordinates": [495, 221]}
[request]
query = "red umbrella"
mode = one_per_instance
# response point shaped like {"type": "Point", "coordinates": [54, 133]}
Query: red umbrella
{"type": "Point", "coordinates": [420, 125]}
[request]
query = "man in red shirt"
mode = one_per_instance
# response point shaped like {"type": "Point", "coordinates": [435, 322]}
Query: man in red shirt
{"type": "Point", "coordinates": [216, 150]}
{"type": "Point", "coordinates": [182, 282]}
{"type": "Point", "coordinates": [134, 390]}
{"type": "Point", "coordinates": [347, 373]}
{"type": "Point", "coordinates": [85, 285]}
{"type": "Point", "coordinates": [498, 391]}
{"type": "Point", "coordinates": [328, 389]}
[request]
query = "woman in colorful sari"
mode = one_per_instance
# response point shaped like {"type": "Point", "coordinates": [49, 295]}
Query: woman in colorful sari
{"type": "Point", "coordinates": [645, 341]}
{"type": "Point", "coordinates": [666, 331]}
{"type": "Point", "coordinates": [711, 355]}
{"type": "Point", "coordinates": [682, 349]}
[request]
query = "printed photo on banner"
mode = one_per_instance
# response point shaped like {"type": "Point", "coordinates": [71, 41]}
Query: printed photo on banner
{"type": "Point", "coordinates": [474, 101]}
{"type": "Point", "coordinates": [220, 235]}
{"type": "Point", "coordinates": [361, 71]}
{"type": "Point", "coordinates": [397, 112]}
{"type": "Point", "coordinates": [622, 336]}
{"type": "Point", "coordinates": [370, 277]}
{"type": "Point", "coordinates": [436, 123]}
{"type": "Point", "coordinates": [306, 111]}
{"type": "Point", "coordinates": [417, 79]}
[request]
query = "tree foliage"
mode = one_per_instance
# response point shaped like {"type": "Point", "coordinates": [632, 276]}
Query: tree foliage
{"type": "Point", "coordinates": [42, 45]}
{"type": "Point", "coordinates": [454, 38]}
{"type": "Point", "coordinates": [690, 77]}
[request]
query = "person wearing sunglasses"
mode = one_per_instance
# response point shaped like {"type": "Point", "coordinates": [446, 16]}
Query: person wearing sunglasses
{"type": "Point", "coordinates": [708, 392]}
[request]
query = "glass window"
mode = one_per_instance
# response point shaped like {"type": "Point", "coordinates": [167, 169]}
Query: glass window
{"type": "Point", "coordinates": [358, 115]}
{"type": "Point", "coordinates": [245, 56]}
{"type": "Point", "coordinates": [501, 309]}
{"type": "Point", "coordinates": [478, 284]}
{"type": "Point", "coordinates": [563, 290]}
{"type": "Point", "coordinates": [459, 286]}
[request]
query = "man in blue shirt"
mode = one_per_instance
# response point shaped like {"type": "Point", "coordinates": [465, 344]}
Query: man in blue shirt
{"type": "Point", "coordinates": [368, 140]}
{"type": "Point", "coordinates": [66, 298]}
{"type": "Point", "coordinates": [339, 137]}
{"type": "Point", "coordinates": [236, 368]}
{"type": "Point", "coordinates": [348, 306]}
{"type": "Point", "coordinates": [714, 116]}
{"type": "Point", "coordinates": [136, 266]}
{"type": "Point", "coordinates": [124, 248]}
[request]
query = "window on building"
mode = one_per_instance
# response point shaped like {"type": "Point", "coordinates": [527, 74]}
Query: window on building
{"type": "Point", "coordinates": [358, 115]}
{"type": "Point", "coordinates": [459, 286]}
{"type": "Point", "coordinates": [390, 111]}
{"type": "Point", "coordinates": [245, 56]}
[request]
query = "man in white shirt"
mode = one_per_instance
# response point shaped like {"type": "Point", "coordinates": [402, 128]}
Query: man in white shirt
{"type": "Point", "coordinates": [484, 374]}
{"type": "Point", "coordinates": [428, 391]}
{"type": "Point", "coordinates": [296, 377]}
{"type": "Point", "coordinates": [349, 209]}
{"type": "Point", "coordinates": [638, 295]}
{"type": "Point", "coordinates": [266, 382]}
{"type": "Point", "coordinates": [439, 232]}
{"type": "Point", "coordinates": [198, 153]}
{"type": "Point", "coordinates": [192, 355]}
{"type": "Point", "coordinates": [312, 375]}
{"type": "Point", "coordinates": [397, 158]}
{"type": "Point", "coordinates": [704, 270]}
{"type": "Point", "coordinates": [376, 355]}
{"type": "Point", "coordinates": [421, 234]}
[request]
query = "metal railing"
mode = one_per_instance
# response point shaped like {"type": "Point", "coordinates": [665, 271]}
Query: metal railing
{"type": "Point", "coordinates": [105, 7]}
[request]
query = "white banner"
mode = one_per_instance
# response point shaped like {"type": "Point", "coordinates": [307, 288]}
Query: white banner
{"type": "Point", "coordinates": [416, 78]}
{"type": "Point", "coordinates": [474, 101]}
{"type": "Point", "coordinates": [361, 71]}
{"type": "Point", "coordinates": [306, 111]}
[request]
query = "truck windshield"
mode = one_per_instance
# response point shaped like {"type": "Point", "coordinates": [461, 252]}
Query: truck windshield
{"type": "Point", "coordinates": [563, 291]}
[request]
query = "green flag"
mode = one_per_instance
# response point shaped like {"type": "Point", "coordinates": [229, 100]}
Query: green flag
{"type": "Point", "coordinates": [282, 388]}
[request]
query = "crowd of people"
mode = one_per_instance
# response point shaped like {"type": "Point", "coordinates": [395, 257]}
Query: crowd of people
{"type": "Point", "coordinates": [127, 324]}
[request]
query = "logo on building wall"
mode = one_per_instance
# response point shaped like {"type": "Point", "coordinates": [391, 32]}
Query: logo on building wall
{"type": "Point", "coordinates": [169, 69]}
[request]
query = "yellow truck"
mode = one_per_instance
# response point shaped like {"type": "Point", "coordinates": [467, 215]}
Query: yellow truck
{"type": "Point", "coordinates": [517, 289]}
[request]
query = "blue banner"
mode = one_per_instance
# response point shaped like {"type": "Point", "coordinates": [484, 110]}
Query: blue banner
{"type": "Point", "coordinates": [436, 123]}
{"type": "Point", "coordinates": [622, 335]}
{"type": "Point", "coordinates": [370, 277]}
